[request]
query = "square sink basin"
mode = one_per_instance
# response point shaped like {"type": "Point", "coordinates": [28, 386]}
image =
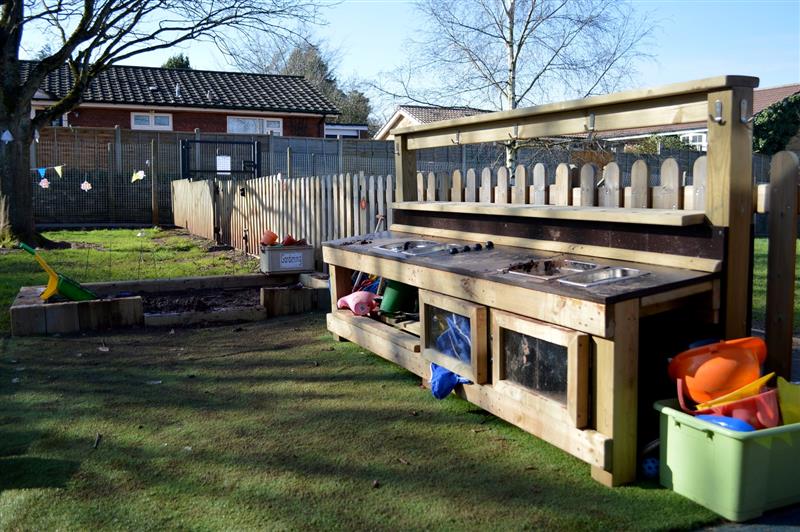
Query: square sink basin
{"type": "Point", "coordinates": [550, 268]}
{"type": "Point", "coordinates": [602, 276]}
{"type": "Point", "coordinates": [413, 247]}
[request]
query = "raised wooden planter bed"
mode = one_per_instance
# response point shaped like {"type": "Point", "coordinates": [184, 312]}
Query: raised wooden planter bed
{"type": "Point", "coordinates": [131, 304]}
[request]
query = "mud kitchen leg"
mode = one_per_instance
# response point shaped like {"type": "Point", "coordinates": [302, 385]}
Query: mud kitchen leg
{"type": "Point", "coordinates": [341, 285]}
{"type": "Point", "coordinates": [616, 364]}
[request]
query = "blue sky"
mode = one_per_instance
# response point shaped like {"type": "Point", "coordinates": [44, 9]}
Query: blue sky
{"type": "Point", "coordinates": [694, 39]}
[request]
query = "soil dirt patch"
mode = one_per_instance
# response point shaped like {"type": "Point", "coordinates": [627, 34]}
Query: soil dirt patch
{"type": "Point", "coordinates": [201, 300]}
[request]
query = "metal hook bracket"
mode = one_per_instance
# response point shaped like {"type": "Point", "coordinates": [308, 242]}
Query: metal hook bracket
{"type": "Point", "coordinates": [743, 114]}
{"type": "Point", "coordinates": [456, 140]}
{"type": "Point", "coordinates": [717, 117]}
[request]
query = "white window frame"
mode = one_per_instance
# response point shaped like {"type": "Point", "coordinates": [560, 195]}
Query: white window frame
{"type": "Point", "coordinates": [151, 117]}
{"type": "Point", "coordinates": [262, 124]}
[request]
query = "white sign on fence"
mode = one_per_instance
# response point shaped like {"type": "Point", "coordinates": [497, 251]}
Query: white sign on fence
{"type": "Point", "coordinates": [223, 164]}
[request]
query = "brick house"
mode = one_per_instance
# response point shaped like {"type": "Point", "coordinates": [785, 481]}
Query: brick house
{"type": "Point", "coordinates": [160, 99]}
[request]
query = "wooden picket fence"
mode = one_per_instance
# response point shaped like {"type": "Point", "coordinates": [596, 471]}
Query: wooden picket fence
{"type": "Point", "coordinates": [315, 208]}
{"type": "Point", "coordinates": [585, 186]}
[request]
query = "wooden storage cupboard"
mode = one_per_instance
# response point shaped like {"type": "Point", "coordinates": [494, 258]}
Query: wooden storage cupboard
{"type": "Point", "coordinates": [564, 361]}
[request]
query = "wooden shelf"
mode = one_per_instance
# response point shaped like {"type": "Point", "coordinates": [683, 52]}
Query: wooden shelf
{"type": "Point", "coordinates": [384, 340]}
{"type": "Point", "coordinates": [668, 217]}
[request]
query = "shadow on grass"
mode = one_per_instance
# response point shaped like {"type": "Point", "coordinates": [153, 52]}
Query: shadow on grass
{"type": "Point", "coordinates": [23, 472]}
{"type": "Point", "coordinates": [279, 425]}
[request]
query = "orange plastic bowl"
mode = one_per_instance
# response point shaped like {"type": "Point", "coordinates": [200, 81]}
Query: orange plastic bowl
{"type": "Point", "coordinates": [711, 371]}
{"type": "Point", "coordinates": [269, 238]}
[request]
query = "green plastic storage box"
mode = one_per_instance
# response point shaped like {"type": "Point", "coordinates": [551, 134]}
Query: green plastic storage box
{"type": "Point", "coordinates": [738, 475]}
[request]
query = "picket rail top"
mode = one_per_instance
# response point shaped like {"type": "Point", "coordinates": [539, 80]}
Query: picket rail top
{"type": "Point", "coordinates": [669, 217]}
{"type": "Point", "coordinates": [677, 103]}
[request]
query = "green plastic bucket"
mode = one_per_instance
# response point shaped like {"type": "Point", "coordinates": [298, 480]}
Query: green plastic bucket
{"type": "Point", "coordinates": [397, 297]}
{"type": "Point", "coordinates": [738, 475]}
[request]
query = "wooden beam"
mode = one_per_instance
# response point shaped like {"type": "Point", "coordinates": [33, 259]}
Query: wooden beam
{"type": "Point", "coordinates": [405, 167]}
{"type": "Point", "coordinates": [616, 394]}
{"type": "Point", "coordinates": [669, 217]}
{"type": "Point", "coordinates": [674, 110]}
{"type": "Point", "coordinates": [729, 199]}
{"type": "Point", "coordinates": [647, 96]}
{"type": "Point", "coordinates": [363, 334]}
{"type": "Point", "coordinates": [784, 177]}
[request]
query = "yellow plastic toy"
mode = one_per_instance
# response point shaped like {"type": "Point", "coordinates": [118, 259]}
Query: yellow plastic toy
{"type": "Point", "coordinates": [789, 398]}
{"type": "Point", "coordinates": [748, 390]}
{"type": "Point", "coordinates": [59, 284]}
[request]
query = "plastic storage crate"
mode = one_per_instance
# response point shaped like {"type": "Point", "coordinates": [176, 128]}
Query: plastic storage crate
{"type": "Point", "coordinates": [287, 259]}
{"type": "Point", "coordinates": [738, 475]}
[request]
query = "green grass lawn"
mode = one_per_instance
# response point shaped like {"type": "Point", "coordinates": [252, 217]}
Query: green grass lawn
{"type": "Point", "coordinates": [118, 254]}
{"type": "Point", "coordinates": [760, 285]}
{"type": "Point", "coordinates": [275, 426]}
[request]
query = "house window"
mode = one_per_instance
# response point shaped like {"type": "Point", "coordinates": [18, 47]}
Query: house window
{"type": "Point", "coordinates": [161, 121]}
{"type": "Point", "coordinates": [697, 140]}
{"type": "Point", "coordinates": [255, 126]}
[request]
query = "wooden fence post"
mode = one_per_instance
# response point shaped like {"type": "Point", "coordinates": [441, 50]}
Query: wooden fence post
{"type": "Point", "coordinates": [784, 177]}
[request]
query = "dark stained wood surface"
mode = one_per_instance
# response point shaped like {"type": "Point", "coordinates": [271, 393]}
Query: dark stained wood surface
{"type": "Point", "coordinates": [701, 241]}
{"type": "Point", "coordinates": [489, 265]}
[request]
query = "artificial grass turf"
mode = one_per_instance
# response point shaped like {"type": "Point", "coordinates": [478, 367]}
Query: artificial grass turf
{"type": "Point", "coordinates": [115, 254]}
{"type": "Point", "coordinates": [275, 426]}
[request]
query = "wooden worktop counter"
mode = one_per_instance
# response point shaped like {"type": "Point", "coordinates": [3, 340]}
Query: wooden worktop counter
{"type": "Point", "coordinates": [488, 265]}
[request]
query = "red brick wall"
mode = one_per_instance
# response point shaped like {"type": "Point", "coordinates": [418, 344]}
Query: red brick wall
{"type": "Point", "coordinates": [293, 126]}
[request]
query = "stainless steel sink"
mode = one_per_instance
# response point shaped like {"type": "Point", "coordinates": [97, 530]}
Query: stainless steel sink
{"type": "Point", "coordinates": [602, 276]}
{"type": "Point", "coordinates": [550, 268]}
{"type": "Point", "coordinates": [414, 247]}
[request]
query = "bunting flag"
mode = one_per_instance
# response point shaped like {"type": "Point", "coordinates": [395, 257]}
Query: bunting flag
{"type": "Point", "coordinates": [137, 176]}
{"type": "Point", "coordinates": [86, 186]}
{"type": "Point", "coordinates": [44, 183]}
{"type": "Point", "coordinates": [42, 170]}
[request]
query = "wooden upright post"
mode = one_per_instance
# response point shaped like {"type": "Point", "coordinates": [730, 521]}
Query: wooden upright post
{"type": "Point", "coordinates": [729, 199]}
{"type": "Point", "coordinates": [784, 177]}
{"type": "Point", "coordinates": [615, 405]}
{"type": "Point", "coordinates": [405, 167]}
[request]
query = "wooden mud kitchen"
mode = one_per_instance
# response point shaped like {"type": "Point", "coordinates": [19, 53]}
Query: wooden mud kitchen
{"type": "Point", "coordinates": [575, 288]}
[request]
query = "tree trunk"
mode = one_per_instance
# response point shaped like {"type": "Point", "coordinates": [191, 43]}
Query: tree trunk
{"type": "Point", "coordinates": [511, 84]}
{"type": "Point", "coordinates": [16, 181]}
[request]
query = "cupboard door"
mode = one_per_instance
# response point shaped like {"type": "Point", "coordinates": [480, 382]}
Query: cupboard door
{"type": "Point", "coordinates": [541, 363]}
{"type": "Point", "coordinates": [455, 335]}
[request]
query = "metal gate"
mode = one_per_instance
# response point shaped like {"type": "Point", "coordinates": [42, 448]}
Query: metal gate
{"type": "Point", "coordinates": [219, 161]}
{"type": "Point", "coordinates": [228, 159]}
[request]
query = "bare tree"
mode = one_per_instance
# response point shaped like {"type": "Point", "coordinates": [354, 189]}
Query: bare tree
{"type": "Point", "coordinates": [314, 60]}
{"type": "Point", "coordinates": [506, 53]}
{"type": "Point", "coordinates": [90, 36]}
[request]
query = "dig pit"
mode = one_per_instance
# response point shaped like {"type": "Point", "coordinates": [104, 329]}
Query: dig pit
{"type": "Point", "coordinates": [169, 302]}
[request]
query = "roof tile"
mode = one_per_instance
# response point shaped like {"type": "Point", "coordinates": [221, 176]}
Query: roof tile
{"type": "Point", "coordinates": [230, 90]}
